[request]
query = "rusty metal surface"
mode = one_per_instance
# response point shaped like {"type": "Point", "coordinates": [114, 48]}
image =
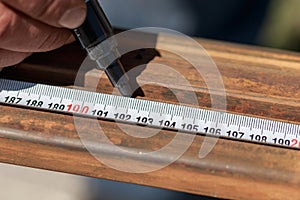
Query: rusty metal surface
{"type": "Point", "coordinates": [258, 82]}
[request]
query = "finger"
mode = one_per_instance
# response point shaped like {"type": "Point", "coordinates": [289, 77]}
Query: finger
{"type": "Point", "coordinates": [70, 40]}
{"type": "Point", "coordinates": [59, 13]}
{"type": "Point", "coordinates": [21, 33]}
{"type": "Point", "coordinates": [9, 58]}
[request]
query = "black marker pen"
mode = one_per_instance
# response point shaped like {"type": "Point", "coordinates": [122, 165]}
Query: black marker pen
{"type": "Point", "coordinates": [90, 34]}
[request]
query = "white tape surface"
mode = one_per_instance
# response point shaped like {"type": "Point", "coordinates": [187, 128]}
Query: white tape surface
{"type": "Point", "coordinates": [153, 114]}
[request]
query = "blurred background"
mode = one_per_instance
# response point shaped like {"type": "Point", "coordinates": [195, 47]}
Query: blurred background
{"type": "Point", "coordinates": [273, 23]}
{"type": "Point", "coordinates": [270, 23]}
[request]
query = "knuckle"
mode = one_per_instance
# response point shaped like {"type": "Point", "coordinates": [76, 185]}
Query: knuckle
{"type": "Point", "coordinates": [38, 9]}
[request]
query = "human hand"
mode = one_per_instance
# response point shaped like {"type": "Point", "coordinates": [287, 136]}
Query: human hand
{"type": "Point", "coordinates": [28, 26]}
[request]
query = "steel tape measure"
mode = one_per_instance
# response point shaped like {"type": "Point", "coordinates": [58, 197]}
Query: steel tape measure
{"type": "Point", "coordinates": [150, 113]}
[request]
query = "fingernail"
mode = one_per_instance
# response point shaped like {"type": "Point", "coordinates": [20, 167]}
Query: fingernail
{"type": "Point", "coordinates": [73, 18]}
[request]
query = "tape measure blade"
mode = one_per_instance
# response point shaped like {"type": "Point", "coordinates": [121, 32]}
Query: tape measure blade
{"type": "Point", "coordinates": [151, 113]}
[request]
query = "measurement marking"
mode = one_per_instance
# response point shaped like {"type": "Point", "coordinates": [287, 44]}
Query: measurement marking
{"type": "Point", "coordinates": [176, 117]}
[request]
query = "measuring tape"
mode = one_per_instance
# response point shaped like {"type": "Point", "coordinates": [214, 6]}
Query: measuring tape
{"type": "Point", "coordinates": [150, 113]}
